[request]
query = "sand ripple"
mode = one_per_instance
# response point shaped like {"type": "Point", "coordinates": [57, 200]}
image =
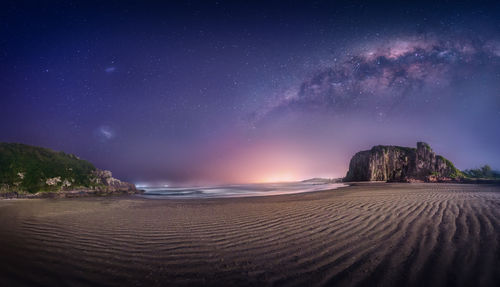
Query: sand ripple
{"type": "Point", "coordinates": [365, 235]}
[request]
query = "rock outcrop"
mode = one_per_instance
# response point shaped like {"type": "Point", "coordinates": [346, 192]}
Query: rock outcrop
{"type": "Point", "coordinates": [395, 163]}
{"type": "Point", "coordinates": [104, 180]}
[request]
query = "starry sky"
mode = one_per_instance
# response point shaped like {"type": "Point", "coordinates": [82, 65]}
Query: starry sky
{"type": "Point", "coordinates": [212, 92]}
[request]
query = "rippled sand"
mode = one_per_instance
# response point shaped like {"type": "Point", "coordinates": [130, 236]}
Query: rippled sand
{"type": "Point", "coordinates": [369, 234]}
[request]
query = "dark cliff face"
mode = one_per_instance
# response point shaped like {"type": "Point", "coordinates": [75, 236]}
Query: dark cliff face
{"type": "Point", "coordinates": [395, 163]}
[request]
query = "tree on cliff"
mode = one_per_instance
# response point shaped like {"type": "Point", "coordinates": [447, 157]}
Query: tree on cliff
{"type": "Point", "coordinates": [483, 172]}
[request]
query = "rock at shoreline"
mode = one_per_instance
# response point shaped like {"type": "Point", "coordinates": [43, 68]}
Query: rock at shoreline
{"type": "Point", "coordinates": [395, 163]}
{"type": "Point", "coordinates": [105, 180]}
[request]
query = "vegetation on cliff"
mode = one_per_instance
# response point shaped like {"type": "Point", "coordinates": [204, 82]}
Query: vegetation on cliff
{"type": "Point", "coordinates": [33, 169]}
{"type": "Point", "coordinates": [454, 172]}
{"type": "Point", "coordinates": [28, 169]}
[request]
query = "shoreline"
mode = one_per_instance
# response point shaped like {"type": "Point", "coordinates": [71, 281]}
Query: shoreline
{"type": "Point", "coordinates": [141, 193]}
{"type": "Point", "coordinates": [238, 191]}
{"type": "Point", "coordinates": [79, 193]}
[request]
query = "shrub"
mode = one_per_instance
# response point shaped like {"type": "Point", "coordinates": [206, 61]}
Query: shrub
{"type": "Point", "coordinates": [27, 168]}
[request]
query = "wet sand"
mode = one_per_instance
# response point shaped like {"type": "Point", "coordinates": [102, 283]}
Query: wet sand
{"type": "Point", "coordinates": [363, 235]}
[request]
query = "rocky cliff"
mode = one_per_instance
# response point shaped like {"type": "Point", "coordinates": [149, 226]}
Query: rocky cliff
{"type": "Point", "coordinates": [395, 163]}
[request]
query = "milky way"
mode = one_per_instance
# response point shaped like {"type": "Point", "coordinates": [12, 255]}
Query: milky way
{"type": "Point", "coordinates": [198, 92]}
{"type": "Point", "coordinates": [395, 76]}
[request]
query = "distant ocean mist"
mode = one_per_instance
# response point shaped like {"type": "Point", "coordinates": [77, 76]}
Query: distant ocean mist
{"type": "Point", "coordinates": [237, 190]}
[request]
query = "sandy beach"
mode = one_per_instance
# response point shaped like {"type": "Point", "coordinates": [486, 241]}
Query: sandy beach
{"type": "Point", "coordinates": [362, 235]}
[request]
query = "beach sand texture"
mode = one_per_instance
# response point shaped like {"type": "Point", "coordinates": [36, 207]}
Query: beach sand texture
{"type": "Point", "coordinates": [363, 235]}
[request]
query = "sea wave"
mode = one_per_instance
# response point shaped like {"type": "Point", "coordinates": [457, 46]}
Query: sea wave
{"type": "Point", "coordinates": [237, 190]}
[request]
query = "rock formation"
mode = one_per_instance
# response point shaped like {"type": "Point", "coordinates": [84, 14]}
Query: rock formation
{"type": "Point", "coordinates": [395, 163]}
{"type": "Point", "coordinates": [104, 180]}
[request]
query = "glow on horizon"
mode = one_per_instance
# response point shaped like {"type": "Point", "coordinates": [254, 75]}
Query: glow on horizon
{"type": "Point", "coordinates": [279, 177]}
{"type": "Point", "coordinates": [262, 162]}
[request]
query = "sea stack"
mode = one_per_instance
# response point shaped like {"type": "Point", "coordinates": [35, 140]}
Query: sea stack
{"type": "Point", "coordinates": [396, 163]}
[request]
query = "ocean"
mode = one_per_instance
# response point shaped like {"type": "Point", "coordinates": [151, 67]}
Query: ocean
{"type": "Point", "coordinates": [237, 190]}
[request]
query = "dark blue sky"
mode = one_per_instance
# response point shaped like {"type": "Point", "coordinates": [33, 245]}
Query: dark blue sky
{"type": "Point", "coordinates": [234, 91]}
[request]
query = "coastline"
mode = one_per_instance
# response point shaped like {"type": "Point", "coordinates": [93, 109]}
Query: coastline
{"type": "Point", "coordinates": [85, 193]}
{"type": "Point", "coordinates": [229, 191]}
{"type": "Point", "coordinates": [237, 190]}
{"type": "Point", "coordinates": [77, 193]}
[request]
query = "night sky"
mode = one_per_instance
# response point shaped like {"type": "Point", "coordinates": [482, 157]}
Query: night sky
{"type": "Point", "coordinates": [197, 92]}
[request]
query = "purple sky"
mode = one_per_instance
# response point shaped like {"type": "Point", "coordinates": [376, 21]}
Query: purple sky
{"type": "Point", "coordinates": [228, 91]}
